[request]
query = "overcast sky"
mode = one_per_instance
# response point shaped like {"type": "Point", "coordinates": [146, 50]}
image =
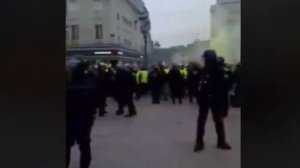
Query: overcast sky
{"type": "Point", "coordinates": [177, 22]}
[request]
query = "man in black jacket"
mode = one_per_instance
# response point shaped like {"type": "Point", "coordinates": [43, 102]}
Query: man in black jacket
{"type": "Point", "coordinates": [192, 80]}
{"type": "Point", "coordinates": [176, 83]}
{"type": "Point", "coordinates": [155, 83]}
{"type": "Point", "coordinates": [211, 97]}
{"type": "Point", "coordinates": [125, 87]}
{"type": "Point", "coordinates": [102, 88]}
{"type": "Point", "coordinates": [80, 108]}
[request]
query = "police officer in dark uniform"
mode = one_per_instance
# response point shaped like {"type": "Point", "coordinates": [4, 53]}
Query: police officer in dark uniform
{"type": "Point", "coordinates": [210, 95]}
{"type": "Point", "coordinates": [125, 87]}
{"type": "Point", "coordinates": [102, 89]}
{"type": "Point", "coordinates": [176, 83]}
{"type": "Point", "coordinates": [155, 83]}
{"type": "Point", "coordinates": [164, 83]}
{"type": "Point", "coordinates": [224, 92]}
{"type": "Point", "coordinates": [81, 109]}
{"type": "Point", "coordinates": [192, 80]}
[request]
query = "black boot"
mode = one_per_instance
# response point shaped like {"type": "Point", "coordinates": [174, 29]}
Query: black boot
{"type": "Point", "coordinates": [224, 146]}
{"type": "Point", "coordinates": [173, 100]}
{"type": "Point", "coordinates": [199, 147]}
{"type": "Point", "coordinates": [102, 113]}
{"type": "Point", "coordinates": [120, 112]}
{"type": "Point", "coordinates": [130, 115]}
{"type": "Point", "coordinates": [180, 100]}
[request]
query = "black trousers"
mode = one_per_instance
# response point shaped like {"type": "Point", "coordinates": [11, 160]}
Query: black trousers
{"type": "Point", "coordinates": [155, 93]}
{"type": "Point", "coordinates": [126, 100]}
{"type": "Point", "coordinates": [144, 89]}
{"type": "Point", "coordinates": [102, 105]}
{"type": "Point", "coordinates": [191, 93]}
{"type": "Point", "coordinates": [78, 131]}
{"type": "Point", "coordinates": [176, 94]}
{"type": "Point", "coordinates": [218, 120]}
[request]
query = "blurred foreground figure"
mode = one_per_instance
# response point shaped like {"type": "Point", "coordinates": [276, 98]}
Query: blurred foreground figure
{"type": "Point", "coordinates": [176, 83]}
{"type": "Point", "coordinates": [236, 98]}
{"type": "Point", "coordinates": [210, 97]}
{"type": "Point", "coordinates": [80, 108]}
{"type": "Point", "coordinates": [125, 87]}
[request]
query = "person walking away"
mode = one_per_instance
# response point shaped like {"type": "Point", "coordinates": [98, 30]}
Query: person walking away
{"type": "Point", "coordinates": [80, 111]}
{"type": "Point", "coordinates": [176, 83]}
{"type": "Point", "coordinates": [210, 97]}
{"type": "Point", "coordinates": [164, 91]}
{"type": "Point", "coordinates": [102, 89]}
{"type": "Point", "coordinates": [125, 89]}
{"type": "Point", "coordinates": [155, 83]}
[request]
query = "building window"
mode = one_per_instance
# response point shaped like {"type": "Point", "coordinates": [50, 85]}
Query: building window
{"type": "Point", "coordinates": [118, 16]}
{"type": "Point", "coordinates": [75, 32]}
{"type": "Point", "coordinates": [127, 21]}
{"type": "Point", "coordinates": [127, 43]}
{"type": "Point", "coordinates": [135, 24]}
{"type": "Point", "coordinates": [119, 39]}
{"type": "Point", "coordinates": [99, 31]}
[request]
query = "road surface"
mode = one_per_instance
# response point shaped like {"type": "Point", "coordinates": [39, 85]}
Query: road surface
{"type": "Point", "coordinates": [161, 136]}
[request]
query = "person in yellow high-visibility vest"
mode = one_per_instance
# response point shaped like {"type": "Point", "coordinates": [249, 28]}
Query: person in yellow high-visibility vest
{"type": "Point", "coordinates": [184, 73]}
{"type": "Point", "coordinates": [142, 80]}
{"type": "Point", "coordinates": [166, 70]}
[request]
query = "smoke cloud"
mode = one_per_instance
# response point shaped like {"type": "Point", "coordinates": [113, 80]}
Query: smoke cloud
{"type": "Point", "coordinates": [226, 31]}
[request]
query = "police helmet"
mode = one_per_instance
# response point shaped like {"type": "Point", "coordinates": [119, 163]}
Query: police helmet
{"type": "Point", "coordinates": [210, 56]}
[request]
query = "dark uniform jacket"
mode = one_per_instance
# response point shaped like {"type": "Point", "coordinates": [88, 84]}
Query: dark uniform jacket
{"type": "Point", "coordinates": [193, 77]}
{"type": "Point", "coordinates": [125, 83]}
{"type": "Point", "coordinates": [156, 79]}
{"type": "Point", "coordinates": [212, 87]}
{"type": "Point", "coordinates": [81, 98]}
{"type": "Point", "coordinates": [80, 108]}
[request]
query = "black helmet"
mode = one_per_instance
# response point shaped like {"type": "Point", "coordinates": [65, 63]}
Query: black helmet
{"type": "Point", "coordinates": [78, 71]}
{"type": "Point", "coordinates": [221, 60]}
{"type": "Point", "coordinates": [210, 57]}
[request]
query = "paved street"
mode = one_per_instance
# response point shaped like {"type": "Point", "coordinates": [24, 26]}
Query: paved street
{"type": "Point", "coordinates": [161, 136]}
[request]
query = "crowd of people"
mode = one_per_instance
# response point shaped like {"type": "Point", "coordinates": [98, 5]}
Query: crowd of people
{"type": "Point", "coordinates": [89, 85]}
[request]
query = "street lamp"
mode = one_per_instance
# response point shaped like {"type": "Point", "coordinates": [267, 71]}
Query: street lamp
{"type": "Point", "coordinates": [145, 35]}
{"type": "Point", "coordinates": [145, 28]}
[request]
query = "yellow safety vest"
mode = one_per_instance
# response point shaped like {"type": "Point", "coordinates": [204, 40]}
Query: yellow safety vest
{"type": "Point", "coordinates": [166, 70]}
{"type": "Point", "coordinates": [144, 76]}
{"type": "Point", "coordinates": [184, 73]}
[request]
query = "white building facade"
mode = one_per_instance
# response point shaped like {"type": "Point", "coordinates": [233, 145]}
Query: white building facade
{"type": "Point", "coordinates": [106, 29]}
{"type": "Point", "coordinates": [226, 29]}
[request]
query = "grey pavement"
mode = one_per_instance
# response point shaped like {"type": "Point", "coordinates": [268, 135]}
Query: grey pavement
{"type": "Point", "coordinates": [161, 136]}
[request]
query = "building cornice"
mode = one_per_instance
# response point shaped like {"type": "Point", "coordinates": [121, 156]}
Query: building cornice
{"type": "Point", "coordinates": [134, 7]}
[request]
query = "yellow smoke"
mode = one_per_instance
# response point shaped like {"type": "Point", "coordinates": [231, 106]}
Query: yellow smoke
{"type": "Point", "coordinates": [226, 34]}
